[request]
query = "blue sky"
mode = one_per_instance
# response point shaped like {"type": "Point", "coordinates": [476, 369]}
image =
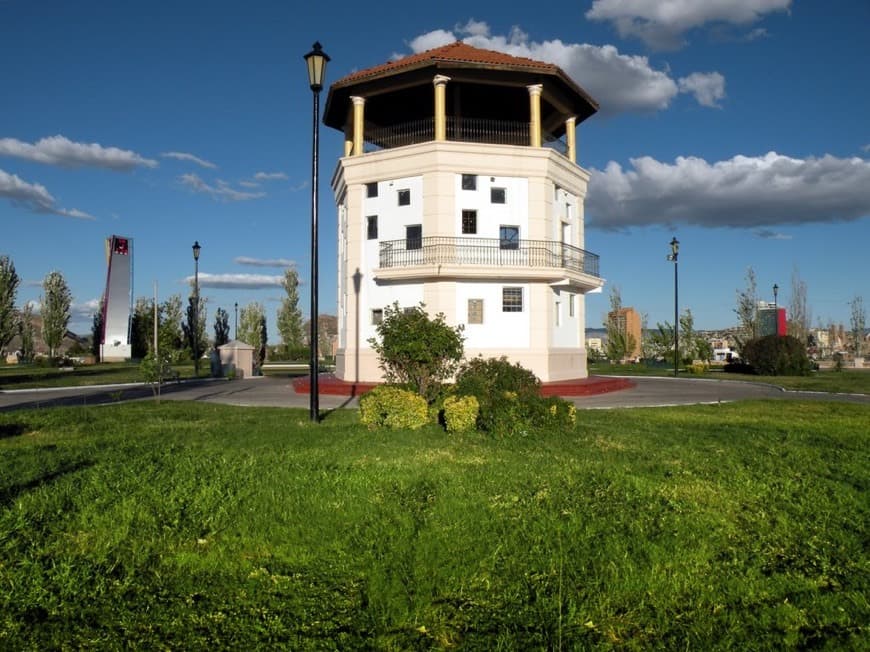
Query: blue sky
{"type": "Point", "coordinates": [741, 127]}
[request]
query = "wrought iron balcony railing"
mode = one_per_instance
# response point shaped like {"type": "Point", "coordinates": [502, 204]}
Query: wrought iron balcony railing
{"type": "Point", "coordinates": [444, 250]}
{"type": "Point", "coordinates": [469, 130]}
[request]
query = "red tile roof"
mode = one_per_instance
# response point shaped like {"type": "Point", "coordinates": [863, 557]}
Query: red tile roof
{"type": "Point", "coordinates": [457, 52]}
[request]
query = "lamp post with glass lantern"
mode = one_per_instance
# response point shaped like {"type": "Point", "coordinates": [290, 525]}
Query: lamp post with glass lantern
{"type": "Point", "coordinates": [675, 252]}
{"type": "Point", "coordinates": [316, 61]}
{"type": "Point", "coordinates": [775, 310]}
{"type": "Point", "coordinates": [194, 327]}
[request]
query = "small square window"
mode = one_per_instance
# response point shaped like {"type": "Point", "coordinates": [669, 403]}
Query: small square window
{"type": "Point", "coordinates": [469, 222]}
{"type": "Point", "coordinates": [372, 227]}
{"type": "Point", "coordinates": [469, 182]}
{"type": "Point", "coordinates": [475, 311]}
{"type": "Point", "coordinates": [377, 316]}
{"type": "Point", "coordinates": [372, 189]}
{"type": "Point", "coordinates": [497, 195]}
{"type": "Point", "coordinates": [511, 299]}
{"type": "Point", "coordinates": [404, 197]}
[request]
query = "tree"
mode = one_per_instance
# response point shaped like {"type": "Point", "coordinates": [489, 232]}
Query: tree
{"type": "Point", "coordinates": [9, 282]}
{"type": "Point", "coordinates": [56, 303]}
{"type": "Point", "coordinates": [221, 327]}
{"type": "Point", "coordinates": [688, 340]}
{"type": "Point", "coordinates": [417, 351]}
{"type": "Point", "coordinates": [858, 323]}
{"type": "Point", "coordinates": [252, 329]}
{"type": "Point", "coordinates": [142, 328]}
{"type": "Point", "coordinates": [747, 309]}
{"type": "Point", "coordinates": [799, 314]}
{"type": "Point", "coordinates": [25, 330]}
{"type": "Point", "coordinates": [661, 342]}
{"type": "Point", "coordinates": [620, 343]}
{"type": "Point", "coordinates": [169, 332]}
{"type": "Point", "coordinates": [193, 327]}
{"type": "Point", "coordinates": [97, 331]}
{"type": "Point", "coordinates": [289, 315]}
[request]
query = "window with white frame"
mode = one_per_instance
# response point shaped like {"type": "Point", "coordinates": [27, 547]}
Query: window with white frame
{"type": "Point", "coordinates": [511, 299]}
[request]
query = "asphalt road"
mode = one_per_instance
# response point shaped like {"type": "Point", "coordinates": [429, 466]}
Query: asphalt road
{"type": "Point", "coordinates": [278, 392]}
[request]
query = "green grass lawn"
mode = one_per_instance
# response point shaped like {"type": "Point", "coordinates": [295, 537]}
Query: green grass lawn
{"type": "Point", "coordinates": [197, 526]}
{"type": "Point", "coordinates": [847, 381]}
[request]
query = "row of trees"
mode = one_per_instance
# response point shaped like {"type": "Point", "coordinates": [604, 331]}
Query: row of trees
{"type": "Point", "coordinates": [55, 310]}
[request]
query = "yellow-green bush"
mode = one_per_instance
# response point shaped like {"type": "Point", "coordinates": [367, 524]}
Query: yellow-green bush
{"type": "Point", "coordinates": [393, 407]}
{"type": "Point", "coordinates": [460, 413]}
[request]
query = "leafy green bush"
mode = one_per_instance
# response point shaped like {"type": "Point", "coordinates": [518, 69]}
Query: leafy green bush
{"type": "Point", "coordinates": [417, 351]}
{"type": "Point", "coordinates": [509, 396]}
{"type": "Point", "coordinates": [460, 413]}
{"type": "Point", "coordinates": [777, 355]}
{"type": "Point", "coordinates": [393, 407]}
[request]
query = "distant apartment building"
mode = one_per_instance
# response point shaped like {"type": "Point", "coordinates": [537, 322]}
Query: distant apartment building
{"type": "Point", "coordinates": [627, 320]}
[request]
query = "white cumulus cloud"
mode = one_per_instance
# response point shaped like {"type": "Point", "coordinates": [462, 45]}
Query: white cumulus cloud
{"type": "Point", "coordinates": [242, 281]}
{"type": "Point", "coordinates": [662, 24]}
{"type": "Point", "coordinates": [221, 191]}
{"type": "Point", "coordinates": [619, 82]}
{"type": "Point", "coordinates": [34, 197]}
{"type": "Point", "coordinates": [184, 156]}
{"type": "Point", "coordinates": [707, 87]}
{"type": "Point", "coordinates": [741, 192]}
{"type": "Point", "coordinates": [59, 150]}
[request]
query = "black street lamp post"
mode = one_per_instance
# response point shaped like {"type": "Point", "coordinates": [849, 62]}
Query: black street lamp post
{"type": "Point", "coordinates": [675, 252]}
{"type": "Point", "coordinates": [194, 327]}
{"type": "Point", "coordinates": [775, 310]}
{"type": "Point", "coordinates": [236, 336]}
{"type": "Point", "coordinates": [316, 61]}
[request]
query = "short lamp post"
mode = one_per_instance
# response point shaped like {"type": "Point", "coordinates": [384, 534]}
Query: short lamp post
{"type": "Point", "coordinates": [673, 256]}
{"type": "Point", "coordinates": [194, 327]}
{"type": "Point", "coordinates": [316, 61]}
{"type": "Point", "coordinates": [775, 310]}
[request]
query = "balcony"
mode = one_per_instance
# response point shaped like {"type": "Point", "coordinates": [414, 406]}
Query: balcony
{"type": "Point", "coordinates": [469, 130]}
{"type": "Point", "coordinates": [487, 258]}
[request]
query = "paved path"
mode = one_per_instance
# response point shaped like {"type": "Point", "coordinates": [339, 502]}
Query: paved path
{"type": "Point", "coordinates": [278, 392]}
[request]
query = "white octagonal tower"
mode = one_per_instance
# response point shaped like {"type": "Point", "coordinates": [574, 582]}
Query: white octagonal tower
{"type": "Point", "coordinates": [459, 188]}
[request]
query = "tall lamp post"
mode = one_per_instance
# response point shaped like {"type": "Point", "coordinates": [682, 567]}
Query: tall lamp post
{"type": "Point", "coordinates": [194, 327]}
{"type": "Point", "coordinates": [775, 310]}
{"type": "Point", "coordinates": [236, 336]}
{"type": "Point", "coordinates": [316, 61]}
{"type": "Point", "coordinates": [675, 252]}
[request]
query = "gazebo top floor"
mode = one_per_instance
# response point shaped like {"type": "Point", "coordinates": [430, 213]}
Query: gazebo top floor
{"type": "Point", "coordinates": [483, 84]}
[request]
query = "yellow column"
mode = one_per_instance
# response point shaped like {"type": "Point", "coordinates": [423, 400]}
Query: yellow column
{"type": "Point", "coordinates": [358, 122]}
{"type": "Point", "coordinates": [535, 114]}
{"type": "Point", "coordinates": [571, 137]}
{"type": "Point", "coordinates": [348, 133]}
{"type": "Point", "coordinates": [440, 82]}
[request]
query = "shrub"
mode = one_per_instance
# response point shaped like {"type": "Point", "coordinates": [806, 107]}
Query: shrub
{"type": "Point", "coordinates": [460, 413]}
{"type": "Point", "coordinates": [777, 355]}
{"type": "Point", "coordinates": [509, 397]}
{"type": "Point", "coordinates": [393, 407]}
{"type": "Point", "coordinates": [416, 350]}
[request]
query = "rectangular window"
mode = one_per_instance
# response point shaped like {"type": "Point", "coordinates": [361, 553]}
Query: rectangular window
{"type": "Point", "coordinates": [570, 305]}
{"type": "Point", "coordinates": [372, 227]}
{"type": "Point", "coordinates": [404, 197]}
{"type": "Point", "coordinates": [508, 237]}
{"type": "Point", "coordinates": [475, 311]}
{"type": "Point", "coordinates": [558, 313]}
{"type": "Point", "coordinates": [469, 221]}
{"type": "Point", "coordinates": [469, 182]}
{"type": "Point", "coordinates": [377, 316]}
{"type": "Point", "coordinates": [511, 299]}
{"type": "Point", "coordinates": [372, 189]}
{"type": "Point", "coordinates": [497, 195]}
{"type": "Point", "coordinates": [414, 236]}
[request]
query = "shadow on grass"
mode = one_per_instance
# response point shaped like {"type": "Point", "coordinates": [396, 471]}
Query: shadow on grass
{"type": "Point", "coordinates": [12, 430]}
{"type": "Point", "coordinates": [10, 493]}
